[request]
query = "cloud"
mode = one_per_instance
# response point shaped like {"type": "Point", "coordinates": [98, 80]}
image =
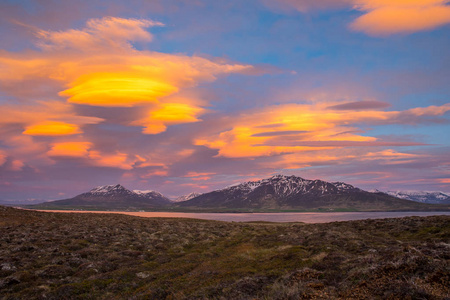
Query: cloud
{"type": "Point", "coordinates": [17, 165]}
{"type": "Point", "coordinates": [52, 118]}
{"type": "Point", "coordinates": [2, 158]}
{"type": "Point", "coordinates": [121, 75]}
{"type": "Point", "coordinates": [361, 105]}
{"type": "Point", "coordinates": [328, 144]}
{"type": "Point", "coordinates": [277, 133]}
{"type": "Point", "coordinates": [112, 160]}
{"type": "Point", "coordinates": [308, 5]}
{"type": "Point", "coordinates": [107, 33]}
{"type": "Point", "coordinates": [156, 172]}
{"type": "Point", "coordinates": [70, 149]}
{"type": "Point", "coordinates": [383, 17]}
{"type": "Point", "coordinates": [388, 153]}
{"type": "Point", "coordinates": [83, 75]}
{"type": "Point", "coordinates": [52, 128]}
{"type": "Point", "coordinates": [124, 89]}
{"type": "Point", "coordinates": [90, 156]}
{"type": "Point", "coordinates": [309, 127]}
{"type": "Point", "coordinates": [199, 176]}
{"type": "Point", "coordinates": [166, 114]}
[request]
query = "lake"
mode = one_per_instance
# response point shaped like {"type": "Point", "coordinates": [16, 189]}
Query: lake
{"type": "Point", "coordinates": [272, 217]}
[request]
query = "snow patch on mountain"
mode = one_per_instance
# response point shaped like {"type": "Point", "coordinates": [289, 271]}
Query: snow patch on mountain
{"type": "Point", "coordinates": [148, 193]}
{"type": "Point", "coordinates": [343, 186]}
{"type": "Point", "coordinates": [144, 192]}
{"type": "Point", "coordinates": [117, 189]}
{"type": "Point", "coordinates": [187, 197]}
{"type": "Point", "coordinates": [290, 185]}
{"type": "Point", "coordinates": [108, 189]}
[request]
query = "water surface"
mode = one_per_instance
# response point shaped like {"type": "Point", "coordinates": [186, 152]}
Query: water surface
{"type": "Point", "coordinates": [273, 217]}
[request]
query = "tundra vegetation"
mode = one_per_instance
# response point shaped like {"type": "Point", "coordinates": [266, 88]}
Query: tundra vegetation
{"type": "Point", "coordinates": [110, 256]}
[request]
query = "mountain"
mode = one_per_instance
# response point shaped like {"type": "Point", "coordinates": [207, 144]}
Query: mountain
{"type": "Point", "coordinates": [277, 193]}
{"type": "Point", "coordinates": [295, 193]}
{"type": "Point", "coordinates": [153, 196]}
{"type": "Point", "coordinates": [421, 196]}
{"type": "Point", "coordinates": [187, 197]}
{"type": "Point", "coordinates": [111, 197]}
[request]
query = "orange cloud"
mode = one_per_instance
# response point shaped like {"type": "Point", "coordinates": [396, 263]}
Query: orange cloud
{"type": "Point", "coordinates": [168, 114]}
{"type": "Point", "coordinates": [153, 173]}
{"type": "Point", "coordinates": [17, 165]}
{"type": "Point", "coordinates": [46, 118]}
{"type": "Point", "coordinates": [198, 174]}
{"type": "Point", "coordinates": [138, 78]}
{"type": "Point", "coordinates": [115, 160]}
{"type": "Point", "coordinates": [388, 154]}
{"type": "Point", "coordinates": [26, 149]}
{"type": "Point", "coordinates": [98, 66]}
{"type": "Point", "coordinates": [90, 156]}
{"type": "Point", "coordinates": [121, 76]}
{"type": "Point", "coordinates": [71, 149]}
{"type": "Point", "coordinates": [124, 89]}
{"type": "Point", "coordinates": [251, 136]}
{"type": "Point", "coordinates": [384, 17]}
{"type": "Point", "coordinates": [52, 128]}
{"type": "Point", "coordinates": [306, 128]}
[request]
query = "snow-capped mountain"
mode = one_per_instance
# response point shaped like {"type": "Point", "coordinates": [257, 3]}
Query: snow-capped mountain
{"type": "Point", "coordinates": [276, 193]}
{"type": "Point", "coordinates": [422, 196]}
{"type": "Point", "coordinates": [292, 192]}
{"type": "Point", "coordinates": [109, 190]}
{"type": "Point", "coordinates": [187, 197]}
{"type": "Point", "coordinates": [290, 185]}
{"type": "Point", "coordinates": [149, 194]}
{"type": "Point", "coordinates": [114, 197]}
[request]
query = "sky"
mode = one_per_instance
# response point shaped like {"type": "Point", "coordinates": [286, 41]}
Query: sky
{"type": "Point", "coordinates": [183, 96]}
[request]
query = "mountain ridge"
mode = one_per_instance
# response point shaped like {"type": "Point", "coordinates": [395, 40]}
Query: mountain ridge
{"type": "Point", "coordinates": [281, 192]}
{"type": "Point", "coordinates": [277, 193]}
{"type": "Point", "coordinates": [432, 197]}
{"type": "Point", "coordinates": [112, 197]}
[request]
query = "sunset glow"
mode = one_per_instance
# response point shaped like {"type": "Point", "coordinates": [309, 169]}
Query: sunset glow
{"type": "Point", "coordinates": [345, 90]}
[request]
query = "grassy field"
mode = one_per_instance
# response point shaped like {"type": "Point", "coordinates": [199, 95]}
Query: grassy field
{"type": "Point", "coordinates": [109, 256]}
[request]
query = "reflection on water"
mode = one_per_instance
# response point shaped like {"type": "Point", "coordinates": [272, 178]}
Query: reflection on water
{"type": "Point", "coordinates": [275, 217]}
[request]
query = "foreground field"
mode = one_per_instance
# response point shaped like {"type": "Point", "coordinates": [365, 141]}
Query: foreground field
{"type": "Point", "coordinates": [96, 256]}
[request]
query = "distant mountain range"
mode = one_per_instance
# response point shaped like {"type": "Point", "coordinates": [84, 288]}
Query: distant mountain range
{"type": "Point", "coordinates": [277, 193]}
{"type": "Point", "coordinates": [295, 193]}
{"type": "Point", "coordinates": [421, 196]}
{"type": "Point", "coordinates": [112, 197]}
